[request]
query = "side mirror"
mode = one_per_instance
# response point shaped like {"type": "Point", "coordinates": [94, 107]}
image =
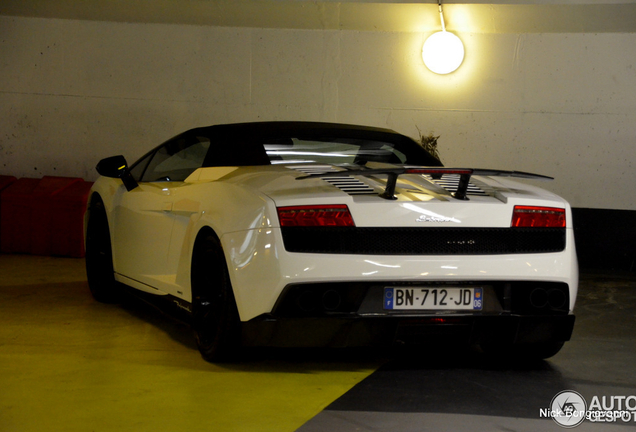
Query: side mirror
{"type": "Point", "coordinates": [113, 167]}
{"type": "Point", "coordinates": [117, 167]}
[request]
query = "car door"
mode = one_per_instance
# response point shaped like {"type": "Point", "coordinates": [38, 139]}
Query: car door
{"type": "Point", "coordinates": [145, 217]}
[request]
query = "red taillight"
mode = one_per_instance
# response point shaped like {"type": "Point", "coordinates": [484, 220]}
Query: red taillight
{"type": "Point", "coordinates": [315, 215]}
{"type": "Point", "coordinates": [538, 217]}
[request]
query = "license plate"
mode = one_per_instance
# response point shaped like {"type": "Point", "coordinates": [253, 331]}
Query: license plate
{"type": "Point", "coordinates": [422, 298]}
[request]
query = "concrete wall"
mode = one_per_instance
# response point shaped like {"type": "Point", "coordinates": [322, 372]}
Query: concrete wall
{"type": "Point", "coordinates": [561, 104]}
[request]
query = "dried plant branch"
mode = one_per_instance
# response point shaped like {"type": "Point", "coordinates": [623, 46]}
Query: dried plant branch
{"type": "Point", "coordinates": [429, 143]}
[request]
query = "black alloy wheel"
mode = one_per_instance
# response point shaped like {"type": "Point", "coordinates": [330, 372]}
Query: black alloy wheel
{"type": "Point", "coordinates": [215, 319]}
{"type": "Point", "coordinates": [99, 255]}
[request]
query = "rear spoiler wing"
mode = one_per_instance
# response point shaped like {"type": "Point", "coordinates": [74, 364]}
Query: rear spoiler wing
{"type": "Point", "coordinates": [394, 172]}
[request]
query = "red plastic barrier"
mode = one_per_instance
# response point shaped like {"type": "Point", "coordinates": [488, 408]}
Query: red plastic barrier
{"type": "Point", "coordinates": [5, 182]}
{"type": "Point", "coordinates": [67, 220]}
{"type": "Point", "coordinates": [16, 214]}
{"type": "Point", "coordinates": [44, 216]}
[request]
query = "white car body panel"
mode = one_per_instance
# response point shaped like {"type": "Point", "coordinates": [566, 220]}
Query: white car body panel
{"type": "Point", "coordinates": [262, 280]}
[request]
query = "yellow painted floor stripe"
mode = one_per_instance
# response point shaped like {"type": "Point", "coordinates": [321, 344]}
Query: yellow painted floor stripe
{"type": "Point", "coordinates": [68, 363]}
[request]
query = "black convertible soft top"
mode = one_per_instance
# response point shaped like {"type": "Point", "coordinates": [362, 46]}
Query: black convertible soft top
{"type": "Point", "coordinates": [241, 144]}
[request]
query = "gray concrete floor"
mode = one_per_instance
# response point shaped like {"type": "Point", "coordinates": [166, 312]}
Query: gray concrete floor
{"type": "Point", "coordinates": [465, 392]}
{"type": "Point", "coordinates": [72, 364]}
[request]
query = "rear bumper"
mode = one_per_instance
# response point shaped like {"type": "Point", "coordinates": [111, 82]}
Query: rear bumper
{"type": "Point", "coordinates": [261, 269]}
{"type": "Point", "coordinates": [356, 331]}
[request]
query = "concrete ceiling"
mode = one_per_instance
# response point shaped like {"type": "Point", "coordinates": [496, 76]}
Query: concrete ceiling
{"type": "Point", "coordinates": [477, 16]}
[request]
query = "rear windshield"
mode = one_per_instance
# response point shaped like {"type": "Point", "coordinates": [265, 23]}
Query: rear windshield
{"type": "Point", "coordinates": [345, 151]}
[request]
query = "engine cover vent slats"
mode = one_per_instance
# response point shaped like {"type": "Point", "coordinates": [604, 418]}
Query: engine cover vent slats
{"type": "Point", "coordinates": [350, 185]}
{"type": "Point", "coordinates": [315, 169]}
{"type": "Point", "coordinates": [347, 184]}
{"type": "Point", "coordinates": [450, 182]}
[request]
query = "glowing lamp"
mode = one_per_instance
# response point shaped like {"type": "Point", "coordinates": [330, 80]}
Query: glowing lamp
{"type": "Point", "coordinates": [443, 52]}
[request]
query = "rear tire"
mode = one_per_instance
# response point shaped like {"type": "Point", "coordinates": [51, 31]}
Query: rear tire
{"type": "Point", "coordinates": [99, 255]}
{"type": "Point", "coordinates": [215, 319]}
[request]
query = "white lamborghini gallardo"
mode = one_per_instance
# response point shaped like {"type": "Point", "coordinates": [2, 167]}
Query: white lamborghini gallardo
{"type": "Point", "coordinates": [320, 234]}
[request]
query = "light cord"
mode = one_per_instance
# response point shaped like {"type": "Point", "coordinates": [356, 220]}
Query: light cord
{"type": "Point", "coordinates": [441, 14]}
